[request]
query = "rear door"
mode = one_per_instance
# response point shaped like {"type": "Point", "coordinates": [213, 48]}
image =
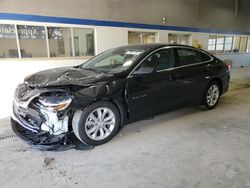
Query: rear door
{"type": "Point", "coordinates": [194, 67]}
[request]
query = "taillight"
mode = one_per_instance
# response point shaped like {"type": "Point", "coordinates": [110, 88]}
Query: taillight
{"type": "Point", "coordinates": [228, 66]}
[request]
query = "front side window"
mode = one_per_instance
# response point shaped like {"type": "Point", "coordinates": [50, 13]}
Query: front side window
{"type": "Point", "coordinates": [161, 60]}
{"type": "Point", "coordinates": [60, 43]}
{"type": "Point", "coordinates": [8, 43]}
{"type": "Point", "coordinates": [32, 41]}
{"type": "Point", "coordinates": [114, 60]}
{"type": "Point", "coordinates": [188, 56]}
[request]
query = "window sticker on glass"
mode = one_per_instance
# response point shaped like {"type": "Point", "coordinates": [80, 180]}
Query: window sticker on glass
{"type": "Point", "coordinates": [7, 31]}
{"type": "Point", "coordinates": [133, 52]}
{"type": "Point", "coordinates": [127, 63]}
{"type": "Point", "coordinates": [31, 32]}
{"type": "Point", "coordinates": [30, 36]}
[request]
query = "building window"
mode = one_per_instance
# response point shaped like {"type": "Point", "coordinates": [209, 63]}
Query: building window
{"type": "Point", "coordinates": [60, 43]}
{"type": "Point", "coordinates": [211, 43]}
{"type": "Point", "coordinates": [25, 41]}
{"type": "Point", "coordinates": [243, 44]}
{"type": "Point", "coordinates": [248, 45]}
{"type": "Point", "coordinates": [174, 38]}
{"type": "Point", "coordinates": [228, 44]}
{"type": "Point", "coordinates": [134, 38]}
{"type": "Point", "coordinates": [148, 38]}
{"type": "Point", "coordinates": [219, 48]}
{"type": "Point", "coordinates": [220, 44]}
{"type": "Point", "coordinates": [32, 40]}
{"type": "Point", "coordinates": [84, 42]}
{"type": "Point", "coordinates": [236, 47]}
{"type": "Point", "coordinates": [8, 43]}
{"type": "Point", "coordinates": [240, 44]}
{"type": "Point", "coordinates": [141, 37]}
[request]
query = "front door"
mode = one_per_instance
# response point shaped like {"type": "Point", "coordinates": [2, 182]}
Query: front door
{"type": "Point", "coordinates": [152, 86]}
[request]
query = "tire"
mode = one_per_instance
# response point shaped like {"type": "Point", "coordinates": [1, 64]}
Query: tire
{"type": "Point", "coordinates": [97, 123]}
{"type": "Point", "coordinates": [212, 95]}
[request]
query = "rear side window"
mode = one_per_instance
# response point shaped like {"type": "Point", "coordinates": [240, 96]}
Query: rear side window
{"type": "Point", "coordinates": [160, 60]}
{"type": "Point", "coordinates": [188, 56]}
{"type": "Point", "coordinates": [205, 57]}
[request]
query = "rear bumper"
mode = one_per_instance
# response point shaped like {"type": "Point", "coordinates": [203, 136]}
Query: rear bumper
{"type": "Point", "coordinates": [226, 81]}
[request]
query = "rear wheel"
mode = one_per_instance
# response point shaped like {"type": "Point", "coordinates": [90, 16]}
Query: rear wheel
{"type": "Point", "coordinates": [97, 123]}
{"type": "Point", "coordinates": [212, 95]}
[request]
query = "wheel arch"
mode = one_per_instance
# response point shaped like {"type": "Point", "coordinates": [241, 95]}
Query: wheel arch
{"type": "Point", "coordinates": [80, 116]}
{"type": "Point", "coordinates": [219, 81]}
{"type": "Point", "coordinates": [120, 107]}
{"type": "Point", "coordinates": [215, 79]}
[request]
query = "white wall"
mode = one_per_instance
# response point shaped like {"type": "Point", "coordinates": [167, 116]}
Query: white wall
{"type": "Point", "coordinates": [110, 37]}
{"type": "Point", "coordinates": [163, 36]}
{"type": "Point", "coordinates": [237, 59]}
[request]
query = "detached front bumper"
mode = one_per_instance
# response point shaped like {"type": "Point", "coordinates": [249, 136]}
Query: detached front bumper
{"type": "Point", "coordinates": [40, 140]}
{"type": "Point", "coordinates": [44, 141]}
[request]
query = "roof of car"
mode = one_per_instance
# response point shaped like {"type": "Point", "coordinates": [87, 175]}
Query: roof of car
{"type": "Point", "coordinates": [155, 45]}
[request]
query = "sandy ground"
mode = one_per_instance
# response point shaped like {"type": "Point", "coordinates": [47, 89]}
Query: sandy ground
{"type": "Point", "coordinates": [185, 148]}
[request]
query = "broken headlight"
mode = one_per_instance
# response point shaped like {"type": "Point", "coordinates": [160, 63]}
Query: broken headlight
{"type": "Point", "coordinates": [55, 103]}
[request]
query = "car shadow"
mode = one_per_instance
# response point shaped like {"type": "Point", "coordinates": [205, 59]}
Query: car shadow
{"type": "Point", "coordinates": [167, 118]}
{"type": "Point", "coordinates": [160, 119]}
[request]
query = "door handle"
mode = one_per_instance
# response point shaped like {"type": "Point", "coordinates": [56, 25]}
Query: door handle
{"type": "Point", "coordinates": [172, 77]}
{"type": "Point", "coordinates": [204, 70]}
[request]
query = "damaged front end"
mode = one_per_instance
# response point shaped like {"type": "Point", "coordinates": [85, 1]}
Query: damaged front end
{"type": "Point", "coordinates": [42, 117]}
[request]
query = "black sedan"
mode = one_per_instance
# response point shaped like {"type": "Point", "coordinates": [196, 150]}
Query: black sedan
{"type": "Point", "coordinates": [94, 100]}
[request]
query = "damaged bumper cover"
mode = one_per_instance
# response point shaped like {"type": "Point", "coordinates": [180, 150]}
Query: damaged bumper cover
{"type": "Point", "coordinates": [41, 120]}
{"type": "Point", "coordinates": [40, 140]}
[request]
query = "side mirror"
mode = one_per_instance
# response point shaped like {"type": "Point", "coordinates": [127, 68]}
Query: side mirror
{"type": "Point", "coordinates": [144, 70]}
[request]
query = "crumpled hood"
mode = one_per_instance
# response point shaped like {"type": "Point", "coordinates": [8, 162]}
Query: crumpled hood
{"type": "Point", "coordinates": [63, 76]}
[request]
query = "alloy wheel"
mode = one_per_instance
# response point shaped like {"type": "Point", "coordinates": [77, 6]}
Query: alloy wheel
{"type": "Point", "coordinates": [213, 94]}
{"type": "Point", "coordinates": [100, 123]}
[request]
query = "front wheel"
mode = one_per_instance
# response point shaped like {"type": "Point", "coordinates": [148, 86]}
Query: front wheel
{"type": "Point", "coordinates": [97, 123]}
{"type": "Point", "coordinates": [212, 95]}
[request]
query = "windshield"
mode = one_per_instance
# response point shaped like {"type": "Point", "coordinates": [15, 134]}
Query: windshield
{"type": "Point", "coordinates": [114, 60]}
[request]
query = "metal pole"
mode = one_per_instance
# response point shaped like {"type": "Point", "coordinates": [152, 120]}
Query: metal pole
{"type": "Point", "coordinates": [18, 44]}
{"type": "Point", "coordinates": [47, 41]}
{"type": "Point", "coordinates": [72, 42]}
